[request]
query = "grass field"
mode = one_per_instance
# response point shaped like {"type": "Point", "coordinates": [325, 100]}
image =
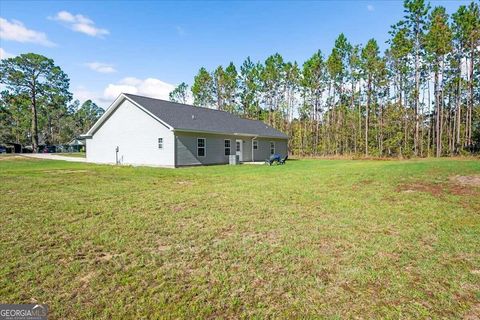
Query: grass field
{"type": "Point", "coordinates": [313, 238]}
{"type": "Point", "coordinates": [72, 154]}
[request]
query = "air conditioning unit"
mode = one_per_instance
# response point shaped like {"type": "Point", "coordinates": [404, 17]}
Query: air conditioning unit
{"type": "Point", "coordinates": [234, 159]}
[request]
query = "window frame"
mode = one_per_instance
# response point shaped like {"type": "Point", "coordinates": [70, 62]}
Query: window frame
{"type": "Point", "coordinates": [204, 147]}
{"type": "Point", "coordinates": [272, 147]}
{"type": "Point", "coordinates": [229, 148]}
{"type": "Point", "coordinates": [255, 145]}
{"type": "Point", "coordinates": [160, 143]}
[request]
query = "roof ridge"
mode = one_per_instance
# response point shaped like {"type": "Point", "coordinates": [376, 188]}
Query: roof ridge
{"type": "Point", "coordinates": [182, 104]}
{"type": "Point", "coordinates": [192, 106]}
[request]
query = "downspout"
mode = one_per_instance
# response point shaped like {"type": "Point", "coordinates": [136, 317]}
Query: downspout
{"type": "Point", "coordinates": [253, 159]}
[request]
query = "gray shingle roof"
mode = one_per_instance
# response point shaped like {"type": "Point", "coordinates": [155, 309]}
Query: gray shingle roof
{"type": "Point", "coordinates": [186, 117]}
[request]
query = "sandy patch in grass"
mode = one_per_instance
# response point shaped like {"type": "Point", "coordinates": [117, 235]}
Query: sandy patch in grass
{"type": "Point", "coordinates": [458, 185]}
{"type": "Point", "coordinates": [84, 282]}
{"type": "Point", "coordinates": [434, 189]}
{"type": "Point", "coordinates": [473, 181]}
{"type": "Point", "coordinates": [162, 246]}
{"type": "Point", "coordinates": [178, 208]}
{"type": "Point", "coordinates": [86, 278]}
{"type": "Point", "coordinates": [474, 313]}
{"type": "Point", "coordinates": [184, 182]}
{"type": "Point", "coordinates": [104, 256]}
{"type": "Point", "coordinates": [9, 157]}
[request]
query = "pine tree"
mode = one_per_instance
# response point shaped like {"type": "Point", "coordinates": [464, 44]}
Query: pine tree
{"type": "Point", "coordinates": [38, 77]}
{"type": "Point", "coordinates": [179, 94]}
{"type": "Point", "coordinates": [271, 77]}
{"type": "Point", "coordinates": [249, 87]}
{"type": "Point", "coordinates": [415, 20]}
{"type": "Point", "coordinates": [313, 83]}
{"type": "Point", "coordinates": [370, 62]}
{"type": "Point", "coordinates": [438, 43]}
{"type": "Point", "coordinates": [467, 31]}
{"type": "Point", "coordinates": [202, 89]}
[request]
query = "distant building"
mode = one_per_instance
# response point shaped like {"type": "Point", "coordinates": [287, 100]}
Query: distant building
{"type": "Point", "coordinates": [77, 144]}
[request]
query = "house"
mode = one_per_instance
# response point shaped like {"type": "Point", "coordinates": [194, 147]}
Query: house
{"type": "Point", "coordinates": [139, 130]}
{"type": "Point", "coordinates": [77, 144]}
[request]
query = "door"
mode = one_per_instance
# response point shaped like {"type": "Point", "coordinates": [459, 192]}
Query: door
{"type": "Point", "coordinates": [239, 149]}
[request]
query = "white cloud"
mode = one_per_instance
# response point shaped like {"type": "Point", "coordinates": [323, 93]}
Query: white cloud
{"type": "Point", "coordinates": [150, 87]}
{"type": "Point", "coordinates": [5, 55]}
{"type": "Point", "coordinates": [80, 23]}
{"type": "Point", "coordinates": [370, 7]}
{"type": "Point", "coordinates": [15, 30]}
{"type": "Point", "coordinates": [82, 94]}
{"type": "Point", "coordinates": [101, 67]}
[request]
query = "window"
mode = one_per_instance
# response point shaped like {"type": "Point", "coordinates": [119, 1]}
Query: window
{"type": "Point", "coordinates": [201, 146]}
{"type": "Point", "coordinates": [227, 147]}
{"type": "Point", "coordinates": [160, 143]}
{"type": "Point", "coordinates": [272, 147]}
{"type": "Point", "coordinates": [255, 144]}
{"type": "Point", "coordinates": [239, 147]}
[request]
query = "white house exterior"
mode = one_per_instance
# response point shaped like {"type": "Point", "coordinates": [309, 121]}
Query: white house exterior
{"type": "Point", "coordinates": [135, 133]}
{"type": "Point", "coordinates": [138, 130]}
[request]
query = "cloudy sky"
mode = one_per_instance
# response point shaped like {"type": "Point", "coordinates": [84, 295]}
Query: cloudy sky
{"type": "Point", "coordinates": [148, 47]}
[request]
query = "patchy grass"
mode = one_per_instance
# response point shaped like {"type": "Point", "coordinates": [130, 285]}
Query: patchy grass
{"type": "Point", "coordinates": [72, 154]}
{"type": "Point", "coordinates": [336, 239]}
{"type": "Point", "coordinates": [9, 156]}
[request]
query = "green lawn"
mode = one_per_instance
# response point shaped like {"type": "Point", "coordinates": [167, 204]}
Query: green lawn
{"type": "Point", "coordinates": [313, 238]}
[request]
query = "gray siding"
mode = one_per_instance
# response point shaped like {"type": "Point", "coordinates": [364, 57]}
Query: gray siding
{"type": "Point", "coordinates": [263, 151]}
{"type": "Point", "coordinates": [186, 148]}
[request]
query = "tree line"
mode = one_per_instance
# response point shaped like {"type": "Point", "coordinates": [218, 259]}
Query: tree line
{"type": "Point", "coordinates": [419, 98]}
{"type": "Point", "coordinates": [36, 107]}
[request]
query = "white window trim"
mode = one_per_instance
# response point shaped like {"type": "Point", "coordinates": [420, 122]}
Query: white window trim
{"type": "Point", "coordinates": [272, 143]}
{"type": "Point", "coordinates": [229, 147]}
{"type": "Point", "coordinates": [255, 143]}
{"type": "Point", "coordinates": [160, 143]}
{"type": "Point", "coordinates": [204, 147]}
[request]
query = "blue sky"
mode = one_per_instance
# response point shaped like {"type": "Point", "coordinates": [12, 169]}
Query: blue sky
{"type": "Point", "coordinates": [147, 47]}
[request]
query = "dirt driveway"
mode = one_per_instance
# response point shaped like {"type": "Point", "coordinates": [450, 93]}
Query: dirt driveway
{"type": "Point", "coordinates": [50, 156]}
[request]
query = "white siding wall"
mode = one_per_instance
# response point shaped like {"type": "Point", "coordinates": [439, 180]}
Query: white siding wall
{"type": "Point", "coordinates": [136, 134]}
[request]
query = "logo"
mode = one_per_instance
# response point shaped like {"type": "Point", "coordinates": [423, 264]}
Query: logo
{"type": "Point", "coordinates": [23, 311]}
